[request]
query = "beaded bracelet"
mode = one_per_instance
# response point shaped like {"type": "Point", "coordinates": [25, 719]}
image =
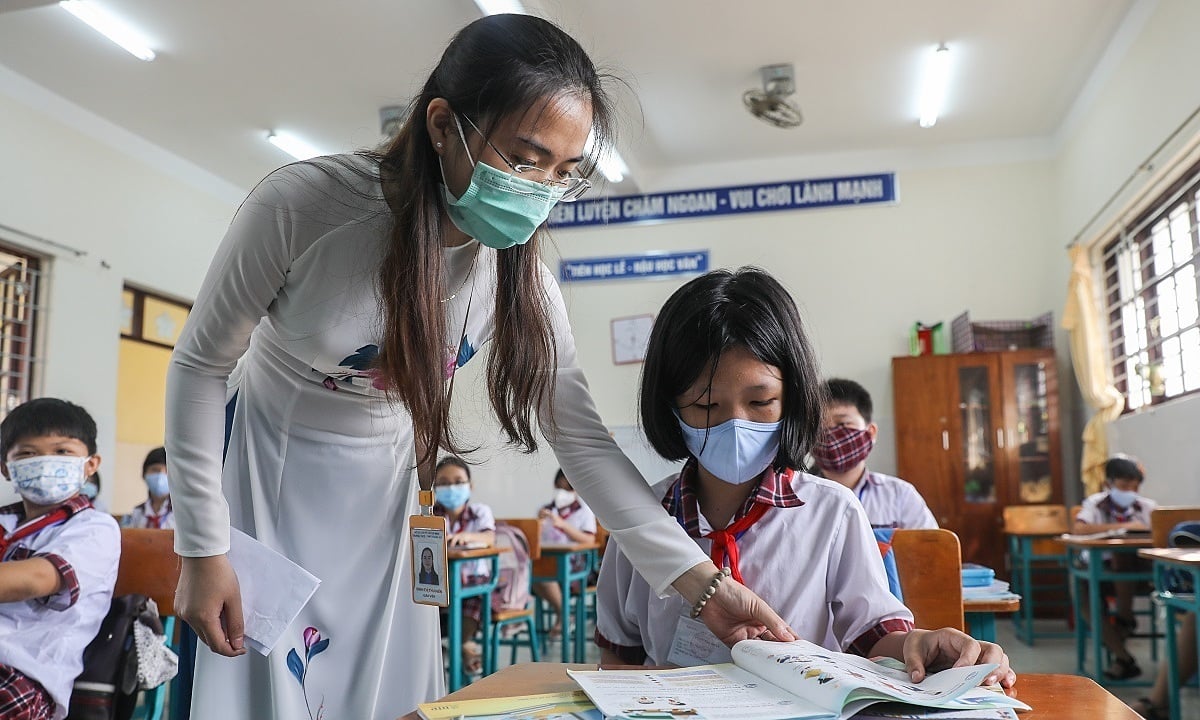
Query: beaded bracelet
{"type": "Point", "coordinates": [710, 591]}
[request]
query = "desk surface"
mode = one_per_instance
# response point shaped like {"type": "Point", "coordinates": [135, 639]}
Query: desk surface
{"type": "Point", "coordinates": [1141, 541]}
{"type": "Point", "coordinates": [455, 554]}
{"type": "Point", "coordinates": [1057, 697]}
{"type": "Point", "coordinates": [1176, 556]}
{"type": "Point", "coordinates": [563, 548]}
{"type": "Point", "coordinates": [992, 605]}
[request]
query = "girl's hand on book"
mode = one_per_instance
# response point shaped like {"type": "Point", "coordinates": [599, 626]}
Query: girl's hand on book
{"type": "Point", "coordinates": [933, 650]}
{"type": "Point", "coordinates": [735, 613]}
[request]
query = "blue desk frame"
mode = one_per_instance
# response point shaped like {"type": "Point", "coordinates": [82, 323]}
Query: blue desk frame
{"type": "Point", "coordinates": [1020, 553]}
{"type": "Point", "coordinates": [458, 593]}
{"type": "Point", "coordinates": [1175, 559]}
{"type": "Point", "coordinates": [564, 576]}
{"type": "Point", "coordinates": [1094, 573]}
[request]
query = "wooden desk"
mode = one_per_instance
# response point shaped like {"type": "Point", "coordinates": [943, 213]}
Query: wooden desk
{"type": "Point", "coordinates": [1052, 697]}
{"type": "Point", "coordinates": [980, 615]}
{"type": "Point", "coordinates": [564, 575]}
{"type": "Point", "coordinates": [1094, 573]}
{"type": "Point", "coordinates": [1025, 548]}
{"type": "Point", "coordinates": [1187, 560]}
{"type": "Point", "coordinates": [458, 593]}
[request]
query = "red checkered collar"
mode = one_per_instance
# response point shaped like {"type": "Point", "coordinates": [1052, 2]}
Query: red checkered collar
{"type": "Point", "coordinates": [468, 514]}
{"type": "Point", "coordinates": [774, 489]}
{"type": "Point", "coordinates": [73, 504]}
{"type": "Point", "coordinates": [1118, 513]}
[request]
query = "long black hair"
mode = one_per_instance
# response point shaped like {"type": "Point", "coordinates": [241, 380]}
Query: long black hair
{"type": "Point", "coordinates": [719, 310]}
{"type": "Point", "coordinates": [493, 68]}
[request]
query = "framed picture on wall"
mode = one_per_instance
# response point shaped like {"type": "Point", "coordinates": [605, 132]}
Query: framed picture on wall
{"type": "Point", "coordinates": [630, 336]}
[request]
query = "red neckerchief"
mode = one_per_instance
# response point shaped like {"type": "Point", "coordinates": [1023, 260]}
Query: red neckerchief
{"type": "Point", "coordinates": [565, 512]}
{"type": "Point", "coordinates": [59, 514]}
{"type": "Point", "coordinates": [774, 490]}
{"type": "Point", "coordinates": [457, 526]}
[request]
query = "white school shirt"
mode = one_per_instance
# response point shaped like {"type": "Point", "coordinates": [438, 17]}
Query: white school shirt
{"type": "Point", "coordinates": [578, 515]}
{"type": "Point", "coordinates": [475, 518]}
{"type": "Point", "coordinates": [44, 638]}
{"type": "Point", "coordinates": [1098, 509]}
{"type": "Point", "coordinates": [893, 503]}
{"type": "Point", "coordinates": [143, 516]}
{"type": "Point", "coordinates": [817, 565]}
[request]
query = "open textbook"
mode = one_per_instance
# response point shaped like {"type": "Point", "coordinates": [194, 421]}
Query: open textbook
{"type": "Point", "coordinates": [785, 681]}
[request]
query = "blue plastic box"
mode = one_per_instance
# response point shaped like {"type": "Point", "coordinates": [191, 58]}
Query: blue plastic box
{"type": "Point", "coordinates": [977, 575]}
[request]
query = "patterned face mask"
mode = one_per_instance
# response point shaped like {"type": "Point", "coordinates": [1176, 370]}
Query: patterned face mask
{"type": "Point", "coordinates": [48, 479]}
{"type": "Point", "coordinates": [842, 448]}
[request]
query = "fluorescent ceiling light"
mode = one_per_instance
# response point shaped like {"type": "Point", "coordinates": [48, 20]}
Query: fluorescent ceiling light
{"type": "Point", "coordinates": [497, 7]}
{"type": "Point", "coordinates": [110, 27]}
{"type": "Point", "coordinates": [293, 146]}
{"type": "Point", "coordinates": [613, 167]}
{"type": "Point", "coordinates": [933, 85]}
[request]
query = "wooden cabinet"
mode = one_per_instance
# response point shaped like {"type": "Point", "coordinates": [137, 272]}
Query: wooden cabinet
{"type": "Point", "coordinates": [977, 432]}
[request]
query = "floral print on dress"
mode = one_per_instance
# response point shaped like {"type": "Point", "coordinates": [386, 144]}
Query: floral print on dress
{"type": "Point", "coordinates": [313, 645]}
{"type": "Point", "coordinates": [454, 361]}
{"type": "Point", "coordinates": [361, 364]}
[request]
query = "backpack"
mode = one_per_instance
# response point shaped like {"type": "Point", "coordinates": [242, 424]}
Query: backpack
{"type": "Point", "coordinates": [883, 538]}
{"type": "Point", "coordinates": [107, 688]}
{"type": "Point", "coordinates": [516, 570]}
{"type": "Point", "coordinates": [1184, 535]}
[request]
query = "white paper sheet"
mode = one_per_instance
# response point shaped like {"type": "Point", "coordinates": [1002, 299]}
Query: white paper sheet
{"type": "Point", "coordinates": [274, 589]}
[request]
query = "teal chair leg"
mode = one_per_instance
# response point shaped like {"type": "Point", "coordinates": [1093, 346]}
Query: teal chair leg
{"type": "Point", "coordinates": [153, 702]}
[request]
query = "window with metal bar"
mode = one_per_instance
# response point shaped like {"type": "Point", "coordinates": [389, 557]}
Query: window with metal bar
{"type": "Point", "coordinates": [1150, 286]}
{"type": "Point", "coordinates": [20, 318]}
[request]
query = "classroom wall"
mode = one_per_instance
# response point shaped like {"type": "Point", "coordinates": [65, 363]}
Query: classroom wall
{"type": "Point", "coordinates": [1150, 91]}
{"type": "Point", "coordinates": [960, 238]}
{"type": "Point", "coordinates": [88, 190]}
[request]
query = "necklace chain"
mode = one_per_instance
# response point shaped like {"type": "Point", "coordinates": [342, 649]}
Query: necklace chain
{"type": "Point", "coordinates": [470, 272]}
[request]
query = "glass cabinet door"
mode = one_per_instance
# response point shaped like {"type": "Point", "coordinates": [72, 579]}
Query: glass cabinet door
{"type": "Point", "coordinates": [1031, 440]}
{"type": "Point", "coordinates": [978, 434]}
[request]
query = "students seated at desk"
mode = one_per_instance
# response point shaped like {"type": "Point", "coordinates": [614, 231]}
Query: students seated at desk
{"type": "Point", "coordinates": [58, 557]}
{"type": "Point", "coordinates": [565, 520]}
{"type": "Point", "coordinates": [1119, 506]}
{"type": "Point", "coordinates": [470, 524]}
{"type": "Point", "coordinates": [156, 512]}
{"type": "Point", "coordinates": [841, 455]}
{"type": "Point", "coordinates": [730, 385]}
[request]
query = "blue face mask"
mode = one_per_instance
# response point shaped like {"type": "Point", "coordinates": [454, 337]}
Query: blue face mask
{"type": "Point", "coordinates": [1121, 498]}
{"type": "Point", "coordinates": [735, 451]}
{"type": "Point", "coordinates": [452, 497]}
{"type": "Point", "coordinates": [498, 209]}
{"type": "Point", "coordinates": [157, 484]}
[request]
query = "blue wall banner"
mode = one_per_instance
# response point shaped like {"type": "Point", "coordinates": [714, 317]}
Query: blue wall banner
{"type": "Point", "coordinates": [733, 200]}
{"type": "Point", "coordinates": [634, 267]}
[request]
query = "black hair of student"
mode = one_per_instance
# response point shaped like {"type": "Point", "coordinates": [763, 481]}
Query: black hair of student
{"type": "Point", "coordinates": [560, 474]}
{"type": "Point", "coordinates": [96, 479]}
{"type": "Point", "coordinates": [452, 461]}
{"type": "Point", "coordinates": [1123, 468]}
{"type": "Point", "coordinates": [157, 456]}
{"type": "Point", "coordinates": [47, 416]}
{"type": "Point", "coordinates": [719, 310]}
{"type": "Point", "coordinates": [841, 391]}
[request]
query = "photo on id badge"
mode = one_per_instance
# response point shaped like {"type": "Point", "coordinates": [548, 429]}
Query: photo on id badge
{"type": "Point", "coordinates": [429, 567]}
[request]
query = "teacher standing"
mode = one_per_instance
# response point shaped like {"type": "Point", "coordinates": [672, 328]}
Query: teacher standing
{"type": "Point", "coordinates": [346, 292]}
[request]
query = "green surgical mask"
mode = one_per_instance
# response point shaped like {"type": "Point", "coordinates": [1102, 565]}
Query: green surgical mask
{"type": "Point", "coordinates": [498, 209]}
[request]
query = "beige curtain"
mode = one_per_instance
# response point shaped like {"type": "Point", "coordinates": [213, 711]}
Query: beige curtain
{"type": "Point", "coordinates": [1089, 355]}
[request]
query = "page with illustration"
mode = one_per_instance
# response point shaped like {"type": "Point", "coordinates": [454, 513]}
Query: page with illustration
{"type": "Point", "coordinates": [709, 691]}
{"type": "Point", "coordinates": [846, 683]}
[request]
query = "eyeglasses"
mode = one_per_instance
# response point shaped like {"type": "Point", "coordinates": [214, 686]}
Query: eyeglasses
{"type": "Point", "coordinates": [573, 185]}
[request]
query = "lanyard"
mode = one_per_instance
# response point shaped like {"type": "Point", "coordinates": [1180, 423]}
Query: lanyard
{"type": "Point", "coordinates": [33, 528]}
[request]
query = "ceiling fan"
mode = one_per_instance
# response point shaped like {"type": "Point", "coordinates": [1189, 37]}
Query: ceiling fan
{"type": "Point", "coordinates": [771, 104]}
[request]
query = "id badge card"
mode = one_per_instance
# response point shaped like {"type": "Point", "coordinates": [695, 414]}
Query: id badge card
{"type": "Point", "coordinates": [427, 535]}
{"type": "Point", "coordinates": [694, 644]}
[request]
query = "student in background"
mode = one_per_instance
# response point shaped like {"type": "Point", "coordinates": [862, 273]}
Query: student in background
{"type": "Point", "coordinates": [469, 524]}
{"type": "Point", "coordinates": [565, 520]}
{"type": "Point", "coordinates": [841, 456]}
{"type": "Point", "coordinates": [91, 491]}
{"type": "Point", "coordinates": [1119, 506]}
{"type": "Point", "coordinates": [156, 512]}
{"type": "Point", "coordinates": [58, 557]}
{"type": "Point", "coordinates": [730, 385]}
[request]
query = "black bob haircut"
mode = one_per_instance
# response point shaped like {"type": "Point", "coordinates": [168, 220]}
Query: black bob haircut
{"type": "Point", "coordinates": [47, 416]}
{"type": "Point", "coordinates": [841, 391]}
{"type": "Point", "coordinates": [1123, 468]}
{"type": "Point", "coordinates": [719, 310]}
{"type": "Point", "coordinates": [453, 461]}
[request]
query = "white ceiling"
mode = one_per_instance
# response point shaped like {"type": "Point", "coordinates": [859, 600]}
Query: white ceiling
{"type": "Point", "coordinates": [229, 70]}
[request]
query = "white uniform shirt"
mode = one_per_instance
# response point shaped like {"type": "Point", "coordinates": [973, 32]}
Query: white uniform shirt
{"type": "Point", "coordinates": [578, 515]}
{"type": "Point", "coordinates": [1097, 509]}
{"type": "Point", "coordinates": [44, 638]}
{"type": "Point", "coordinates": [893, 503]}
{"type": "Point", "coordinates": [143, 516]}
{"type": "Point", "coordinates": [817, 565]}
{"type": "Point", "coordinates": [475, 518]}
